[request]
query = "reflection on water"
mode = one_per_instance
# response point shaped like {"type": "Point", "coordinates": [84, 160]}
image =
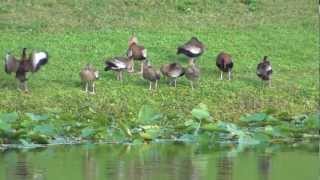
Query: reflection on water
{"type": "Point", "coordinates": [224, 167]}
{"type": "Point", "coordinates": [159, 161]}
{"type": "Point", "coordinates": [264, 161]}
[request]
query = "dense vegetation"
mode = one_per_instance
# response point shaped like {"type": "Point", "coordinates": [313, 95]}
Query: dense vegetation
{"type": "Point", "coordinates": [76, 32]}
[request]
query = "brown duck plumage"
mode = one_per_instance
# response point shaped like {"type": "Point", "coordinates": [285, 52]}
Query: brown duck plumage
{"type": "Point", "coordinates": [26, 64]}
{"type": "Point", "coordinates": [151, 74]}
{"type": "Point", "coordinates": [192, 49]}
{"type": "Point", "coordinates": [225, 64]}
{"type": "Point", "coordinates": [192, 73]}
{"type": "Point", "coordinates": [88, 75]}
{"type": "Point", "coordinates": [173, 71]}
{"type": "Point", "coordinates": [136, 52]}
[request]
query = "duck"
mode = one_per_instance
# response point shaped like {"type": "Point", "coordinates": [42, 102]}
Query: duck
{"type": "Point", "coordinates": [88, 76]}
{"type": "Point", "coordinates": [264, 70]}
{"type": "Point", "coordinates": [192, 73]}
{"type": "Point", "coordinates": [118, 64]}
{"type": "Point", "coordinates": [225, 64]}
{"type": "Point", "coordinates": [192, 49]}
{"type": "Point", "coordinates": [150, 74]}
{"type": "Point", "coordinates": [31, 63]}
{"type": "Point", "coordinates": [172, 71]}
{"type": "Point", "coordinates": [136, 52]}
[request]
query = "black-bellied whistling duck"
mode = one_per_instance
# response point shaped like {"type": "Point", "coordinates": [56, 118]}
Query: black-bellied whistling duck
{"type": "Point", "coordinates": [225, 64]}
{"type": "Point", "coordinates": [151, 74]}
{"type": "Point", "coordinates": [136, 52]}
{"type": "Point", "coordinates": [118, 64]}
{"type": "Point", "coordinates": [192, 49]}
{"type": "Point", "coordinates": [26, 64]}
{"type": "Point", "coordinates": [88, 76]}
{"type": "Point", "coordinates": [192, 73]}
{"type": "Point", "coordinates": [264, 70]}
{"type": "Point", "coordinates": [173, 71]}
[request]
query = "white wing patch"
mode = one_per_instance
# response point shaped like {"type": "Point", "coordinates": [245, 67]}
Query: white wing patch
{"type": "Point", "coordinates": [194, 49]}
{"type": "Point", "coordinates": [37, 57]}
{"type": "Point", "coordinates": [268, 68]}
{"type": "Point", "coordinates": [144, 53]}
{"type": "Point", "coordinates": [120, 64]}
{"type": "Point", "coordinates": [130, 53]}
{"type": "Point", "coordinates": [175, 73]}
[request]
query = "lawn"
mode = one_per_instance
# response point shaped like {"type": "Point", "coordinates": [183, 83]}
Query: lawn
{"type": "Point", "coordinates": [79, 32]}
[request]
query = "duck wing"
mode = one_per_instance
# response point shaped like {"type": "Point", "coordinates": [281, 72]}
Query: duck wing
{"type": "Point", "coordinates": [11, 64]}
{"type": "Point", "coordinates": [38, 59]}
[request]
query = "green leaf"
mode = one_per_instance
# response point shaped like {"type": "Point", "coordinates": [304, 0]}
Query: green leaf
{"type": "Point", "coordinates": [45, 129]}
{"type": "Point", "coordinates": [4, 126]}
{"type": "Point", "coordinates": [125, 129]}
{"type": "Point", "coordinates": [87, 132]}
{"type": "Point", "coordinates": [148, 115]}
{"type": "Point", "coordinates": [150, 134]}
{"type": "Point", "coordinates": [201, 112]}
{"type": "Point", "coordinates": [9, 117]}
{"type": "Point", "coordinates": [313, 121]}
{"type": "Point", "coordinates": [36, 117]}
{"type": "Point", "coordinates": [256, 117]}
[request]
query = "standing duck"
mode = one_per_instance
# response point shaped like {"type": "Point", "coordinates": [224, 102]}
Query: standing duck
{"type": "Point", "coordinates": [192, 49]}
{"type": "Point", "coordinates": [173, 71]}
{"type": "Point", "coordinates": [136, 52]}
{"type": "Point", "coordinates": [225, 64]}
{"type": "Point", "coordinates": [192, 73]}
{"type": "Point", "coordinates": [264, 70]}
{"type": "Point", "coordinates": [118, 64]}
{"type": "Point", "coordinates": [26, 64]}
{"type": "Point", "coordinates": [151, 74]}
{"type": "Point", "coordinates": [88, 76]}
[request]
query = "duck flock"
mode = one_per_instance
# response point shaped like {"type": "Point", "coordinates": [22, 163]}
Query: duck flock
{"type": "Point", "coordinates": [192, 49]}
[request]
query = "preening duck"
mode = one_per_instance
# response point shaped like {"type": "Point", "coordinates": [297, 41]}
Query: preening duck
{"type": "Point", "coordinates": [88, 76]}
{"type": "Point", "coordinates": [192, 49]}
{"type": "Point", "coordinates": [136, 52]}
{"type": "Point", "coordinates": [26, 64]}
{"type": "Point", "coordinates": [192, 73]}
{"type": "Point", "coordinates": [264, 70]}
{"type": "Point", "coordinates": [173, 71]}
{"type": "Point", "coordinates": [225, 64]}
{"type": "Point", "coordinates": [118, 64]}
{"type": "Point", "coordinates": [151, 74]}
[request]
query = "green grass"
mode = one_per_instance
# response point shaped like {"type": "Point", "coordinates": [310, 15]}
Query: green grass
{"type": "Point", "coordinates": [77, 32]}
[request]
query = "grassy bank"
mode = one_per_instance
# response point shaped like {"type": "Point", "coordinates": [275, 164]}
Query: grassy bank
{"type": "Point", "coordinates": [77, 32]}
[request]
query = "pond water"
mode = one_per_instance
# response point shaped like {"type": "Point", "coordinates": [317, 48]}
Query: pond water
{"type": "Point", "coordinates": [161, 161]}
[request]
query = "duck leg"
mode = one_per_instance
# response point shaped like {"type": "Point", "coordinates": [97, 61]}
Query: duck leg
{"type": "Point", "coordinates": [156, 84]}
{"type": "Point", "coordinates": [229, 75]}
{"type": "Point", "coordinates": [191, 83]}
{"type": "Point", "coordinates": [269, 82]}
{"type": "Point", "coordinates": [141, 68]}
{"type": "Point", "coordinates": [191, 61]}
{"type": "Point", "coordinates": [24, 86]}
{"type": "Point", "coordinates": [93, 88]}
{"type": "Point", "coordinates": [86, 86]}
{"type": "Point", "coordinates": [120, 75]}
{"type": "Point", "coordinates": [131, 66]}
{"type": "Point", "coordinates": [150, 85]}
{"type": "Point", "coordinates": [175, 82]}
{"type": "Point", "coordinates": [221, 75]}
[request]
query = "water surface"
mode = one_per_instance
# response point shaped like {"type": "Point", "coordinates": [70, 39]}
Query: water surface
{"type": "Point", "coordinates": [161, 162]}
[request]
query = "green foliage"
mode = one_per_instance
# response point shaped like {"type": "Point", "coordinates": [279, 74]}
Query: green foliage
{"type": "Point", "coordinates": [77, 32]}
{"type": "Point", "coordinates": [147, 115]}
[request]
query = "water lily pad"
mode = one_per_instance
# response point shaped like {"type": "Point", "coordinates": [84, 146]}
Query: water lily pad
{"type": "Point", "coordinates": [45, 129]}
{"type": "Point", "coordinates": [148, 115]}
{"type": "Point", "coordinates": [36, 117]}
{"type": "Point", "coordinates": [201, 112]}
{"type": "Point", "coordinates": [87, 132]}
{"type": "Point", "coordinates": [9, 117]}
